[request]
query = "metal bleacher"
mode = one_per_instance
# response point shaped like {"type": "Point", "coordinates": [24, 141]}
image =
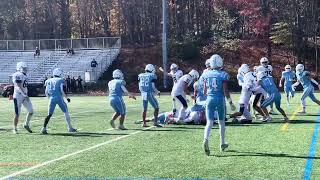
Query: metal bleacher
{"type": "Point", "coordinates": [103, 50]}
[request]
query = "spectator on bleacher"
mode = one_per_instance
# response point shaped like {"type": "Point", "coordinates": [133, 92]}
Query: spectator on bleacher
{"type": "Point", "coordinates": [45, 79]}
{"type": "Point", "coordinates": [37, 53]}
{"type": "Point", "coordinates": [68, 82]}
{"type": "Point", "coordinates": [80, 84]}
{"type": "Point", "coordinates": [70, 51]}
{"type": "Point", "coordinates": [73, 85]}
{"type": "Point", "coordinates": [94, 69]}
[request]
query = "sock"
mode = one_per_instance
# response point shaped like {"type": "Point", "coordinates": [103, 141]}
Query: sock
{"type": "Point", "coordinates": [207, 129]}
{"type": "Point", "coordinates": [222, 131]}
{"type": "Point", "coordinates": [303, 103]}
{"type": "Point", "coordinates": [174, 108]}
{"type": "Point", "coordinates": [68, 121]}
{"type": "Point", "coordinates": [182, 113]}
{"type": "Point", "coordinates": [46, 121]}
{"type": "Point", "coordinates": [28, 118]}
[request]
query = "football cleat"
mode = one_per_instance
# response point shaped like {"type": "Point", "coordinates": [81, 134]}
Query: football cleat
{"type": "Point", "coordinates": [27, 128]}
{"type": "Point", "coordinates": [223, 147]}
{"type": "Point", "coordinates": [44, 131]}
{"type": "Point", "coordinates": [157, 125]}
{"type": "Point", "coordinates": [112, 124]}
{"type": "Point", "coordinates": [121, 127]}
{"type": "Point", "coordinates": [145, 125]}
{"type": "Point", "coordinates": [206, 147]}
{"type": "Point", "coordinates": [72, 130]}
{"type": "Point", "coordinates": [15, 131]}
{"type": "Point", "coordinates": [302, 111]}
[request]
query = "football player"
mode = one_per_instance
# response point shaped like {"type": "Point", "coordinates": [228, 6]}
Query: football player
{"type": "Point", "coordinates": [20, 96]}
{"type": "Point", "coordinates": [55, 92]}
{"type": "Point", "coordinates": [116, 90]}
{"type": "Point", "coordinates": [216, 87]}
{"type": "Point", "coordinates": [175, 73]}
{"type": "Point", "coordinates": [287, 76]}
{"type": "Point", "coordinates": [180, 90]}
{"type": "Point", "coordinates": [267, 69]}
{"type": "Point", "coordinates": [246, 92]}
{"type": "Point", "coordinates": [267, 83]}
{"type": "Point", "coordinates": [304, 78]}
{"type": "Point", "coordinates": [148, 89]}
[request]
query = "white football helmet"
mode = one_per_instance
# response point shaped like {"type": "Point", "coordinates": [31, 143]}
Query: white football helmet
{"type": "Point", "coordinates": [244, 69]}
{"type": "Point", "coordinates": [300, 68]}
{"type": "Point", "coordinates": [287, 68]}
{"type": "Point", "coordinates": [117, 74]}
{"type": "Point", "coordinates": [150, 68]}
{"type": "Point", "coordinates": [264, 62]}
{"type": "Point", "coordinates": [22, 67]}
{"type": "Point", "coordinates": [207, 63]}
{"type": "Point", "coordinates": [57, 72]}
{"type": "Point", "coordinates": [174, 67]}
{"type": "Point", "coordinates": [194, 74]}
{"type": "Point", "coordinates": [216, 61]}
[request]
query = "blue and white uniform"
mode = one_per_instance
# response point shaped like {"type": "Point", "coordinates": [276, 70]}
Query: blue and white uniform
{"type": "Point", "coordinates": [147, 92]}
{"type": "Point", "coordinates": [19, 97]}
{"type": "Point", "coordinates": [274, 96]}
{"type": "Point", "coordinates": [200, 97]}
{"type": "Point", "coordinates": [54, 88]}
{"type": "Point", "coordinates": [115, 96]}
{"type": "Point", "coordinates": [240, 79]}
{"type": "Point", "coordinates": [288, 77]}
{"type": "Point", "coordinates": [308, 89]}
{"type": "Point", "coordinates": [215, 95]}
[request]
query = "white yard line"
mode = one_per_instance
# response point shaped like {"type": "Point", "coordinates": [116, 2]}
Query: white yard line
{"type": "Point", "coordinates": [18, 173]}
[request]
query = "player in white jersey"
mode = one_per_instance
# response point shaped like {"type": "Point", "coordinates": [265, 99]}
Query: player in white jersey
{"type": "Point", "coordinates": [246, 92]}
{"type": "Point", "coordinates": [180, 90]}
{"type": "Point", "coordinates": [20, 96]}
{"type": "Point", "coordinates": [175, 73]}
{"type": "Point", "coordinates": [267, 69]}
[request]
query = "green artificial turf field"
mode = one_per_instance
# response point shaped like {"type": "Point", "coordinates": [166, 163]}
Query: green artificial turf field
{"type": "Point", "coordinates": [273, 150]}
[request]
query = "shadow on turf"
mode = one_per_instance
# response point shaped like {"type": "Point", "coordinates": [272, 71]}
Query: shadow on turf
{"type": "Point", "coordinates": [84, 134]}
{"type": "Point", "coordinates": [257, 154]}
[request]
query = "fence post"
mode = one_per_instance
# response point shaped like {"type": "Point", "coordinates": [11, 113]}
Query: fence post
{"type": "Point", "coordinates": [71, 44]}
{"type": "Point", "coordinates": [7, 45]}
{"type": "Point", "coordinates": [103, 42]}
{"type": "Point", "coordinates": [22, 44]}
{"type": "Point", "coordinates": [55, 44]}
{"type": "Point", "coordinates": [87, 43]}
{"type": "Point", "coordinates": [39, 45]}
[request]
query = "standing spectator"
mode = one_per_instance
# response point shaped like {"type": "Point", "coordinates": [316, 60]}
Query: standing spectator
{"type": "Point", "coordinates": [73, 85]}
{"type": "Point", "coordinates": [80, 84]}
{"type": "Point", "coordinates": [94, 69]}
{"type": "Point", "coordinates": [37, 53]}
{"type": "Point", "coordinates": [45, 79]}
{"type": "Point", "coordinates": [68, 80]}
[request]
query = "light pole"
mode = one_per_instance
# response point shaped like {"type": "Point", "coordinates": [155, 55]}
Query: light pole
{"type": "Point", "coordinates": [164, 42]}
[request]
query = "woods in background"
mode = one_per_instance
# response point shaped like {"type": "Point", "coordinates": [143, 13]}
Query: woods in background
{"type": "Point", "coordinates": [215, 23]}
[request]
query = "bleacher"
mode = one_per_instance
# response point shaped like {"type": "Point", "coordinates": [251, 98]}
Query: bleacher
{"type": "Point", "coordinates": [41, 67]}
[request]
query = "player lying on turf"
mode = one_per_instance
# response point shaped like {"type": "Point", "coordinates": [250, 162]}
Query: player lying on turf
{"type": "Point", "coordinates": [148, 89]}
{"type": "Point", "coordinates": [54, 91]}
{"type": "Point", "coordinates": [304, 78]}
{"type": "Point", "coordinates": [116, 90]}
{"type": "Point", "coordinates": [216, 88]}
{"type": "Point", "coordinates": [175, 74]}
{"type": "Point", "coordinates": [287, 77]}
{"type": "Point", "coordinates": [195, 117]}
{"type": "Point", "coordinates": [246, 92]}
{"type": "Point", "coordinates": [180, 90]}
{"type": "Point", "coordinates": [20, 96]}
{"type": "Point", "coordinates": [274, 96]}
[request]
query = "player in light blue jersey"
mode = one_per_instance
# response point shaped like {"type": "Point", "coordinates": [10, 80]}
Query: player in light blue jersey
{"type": "Point", "coordinates": [216, 87]}
{"type": "Point", "coordinates": [116, 90]}
{"type": "Point", "coordinates": [148, 89]}
{"type": "Point", "coordinates": [304, 78]}
{"type": "Point", "coordinates": [287, 77]}
{"type": "Point", "coordinates": [267, 83]}
{"type": "Point", "coordinates": [200, 97]}
{"type": "Point", "coordinates": [55, 93]}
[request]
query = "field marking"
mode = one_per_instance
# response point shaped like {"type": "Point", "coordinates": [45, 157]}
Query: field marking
{"type": "Point", "coordinates": [312, 150]}
{"type": "Point", "coordinates": [292, 117]}
{"type": "Point", "coordinates": [70, 155]}
{"type": "Point", "coordinates": [17, 164]}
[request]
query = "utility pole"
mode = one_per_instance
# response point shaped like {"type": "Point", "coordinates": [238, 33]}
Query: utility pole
{"type": "Point", "coordinates": [164, 42]}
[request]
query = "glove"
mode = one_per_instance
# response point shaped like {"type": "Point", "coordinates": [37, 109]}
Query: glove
{"type": "Point", "coordinates": [68, 99]}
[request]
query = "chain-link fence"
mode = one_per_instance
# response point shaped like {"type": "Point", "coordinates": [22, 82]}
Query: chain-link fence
{"type": "Point", "coordinates": [53, 44]}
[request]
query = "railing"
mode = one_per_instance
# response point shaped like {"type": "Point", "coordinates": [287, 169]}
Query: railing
{"type": "Point", "coordinates": [54, 44]}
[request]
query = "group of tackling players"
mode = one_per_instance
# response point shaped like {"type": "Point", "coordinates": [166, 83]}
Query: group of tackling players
{"type": "Point", "coordinates": [54, 91]}
{"type": "Point", "coordinates": [210, 93]}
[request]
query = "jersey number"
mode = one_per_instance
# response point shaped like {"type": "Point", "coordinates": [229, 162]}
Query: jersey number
{"type": "Point", "coordinates": [213, 83]}
{"type": "Point", "coordinates": [144, 82]}
{"type": "Point", "coordinates": [25, 84]}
